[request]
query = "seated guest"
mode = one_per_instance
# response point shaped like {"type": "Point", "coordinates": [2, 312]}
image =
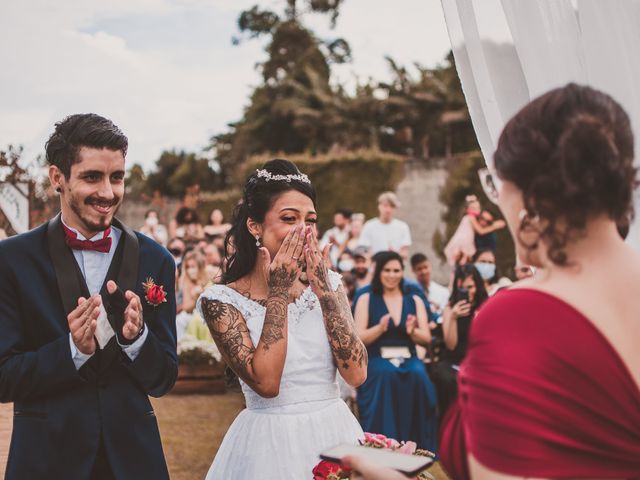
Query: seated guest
{"type": "Point", "coordinates": [216, 226]}
{"type": "Point", "coordinates": [154, 229]}
{"type": "Point", "coordinates": [549, 387]}
{"type": "Point", "coordinates": [397, 399]}
{"type": "Point", "coordinates": [361, 267]}
{"type": "Point", "coordinates": [467, 296]}
{"type": "Point", "coordinates": [485, 263]}
{"type": "Point", "coordinates": [410, 286]}
{"type": "Point", "coordinates": [438, 295]}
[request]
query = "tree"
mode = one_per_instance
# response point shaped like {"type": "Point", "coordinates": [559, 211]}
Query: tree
{"type": "Point", "coordinates": [176, 171]}
{"type": "Point", "coordinates": [295, 109]}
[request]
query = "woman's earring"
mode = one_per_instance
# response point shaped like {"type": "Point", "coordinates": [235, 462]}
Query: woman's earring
{"type": "Point", "coordinates": [257, 240]}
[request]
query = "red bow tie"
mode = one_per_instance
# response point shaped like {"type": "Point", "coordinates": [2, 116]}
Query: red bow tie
{"type": "Point", "coordinates": [103, 245]}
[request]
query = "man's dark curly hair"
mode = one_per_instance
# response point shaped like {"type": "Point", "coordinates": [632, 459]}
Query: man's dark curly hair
{"type": "Point", "coordinates": [570, 152]}
{"type": "Point", "coordinates": [82, 130]}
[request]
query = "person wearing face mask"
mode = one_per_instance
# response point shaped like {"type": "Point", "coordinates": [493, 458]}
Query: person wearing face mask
{"type": "Point", "coordinates": [485, 263]}
{"type": "Point", "coordinates": [152, 228]}
{"type": "Point", "coordinates": [346, 262]}
{"type": "Point", "coordinates": [193, 279]}
{"type": "Point", "coordinates": [176, 248]}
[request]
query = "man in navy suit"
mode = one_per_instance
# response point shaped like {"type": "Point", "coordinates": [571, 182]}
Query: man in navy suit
{"type": "Point", "coordinates": [87, 323]}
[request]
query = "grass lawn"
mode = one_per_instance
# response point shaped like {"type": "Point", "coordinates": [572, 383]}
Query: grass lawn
{"type": "Point", "coordinates": [192, 428]}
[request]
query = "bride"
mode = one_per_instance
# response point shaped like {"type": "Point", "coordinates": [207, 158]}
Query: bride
{"type": "Point", "coordinates": [283, 324]}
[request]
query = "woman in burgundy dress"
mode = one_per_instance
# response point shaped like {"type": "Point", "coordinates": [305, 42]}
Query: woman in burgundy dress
{"type": "Point", "coordinates": [550, 384]}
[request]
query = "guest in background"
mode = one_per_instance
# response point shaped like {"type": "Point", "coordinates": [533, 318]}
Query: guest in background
{"type": "Point", "coordinates": [386, 233]}
{"type": "Point", "coordinates": [338, 235]}
{"type": "Point", "coordinates": [355, 230]}
{"type": "Point", "coordinates": [193, 279]}
{"type": "Point", "coordinates": [213, 260]}
{"type": "Point", "coordinates": [438, 295]}
{"type": "Point", "coordinates": [186, 225]}
{"type": "Point", "coordinates": [397, 399]}
{"type": "Point", "coordinates": [216, 226]}
{"type": "Point", "coordinates": [489, 240]}
{"type": "Point", "coordinates": [176, 248]}
{"type": "Point", "coordinates": [153, 228]}
{"type": "Point", "coordinates": [361, 267]}
{"type": "Point", "coordinates": [462, 246]}
{"type": "Point", "coordinates": [485, 263]}
{"type": "Point", "coordinates": [346, 263]}
{"type": "Point", "coordinates": [467, 296]}
{"type": "Point", "coordinates": [523, 271]}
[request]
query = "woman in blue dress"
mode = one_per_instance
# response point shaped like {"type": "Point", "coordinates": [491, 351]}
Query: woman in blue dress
{"type": "Point", "coordinates": [398, 399]}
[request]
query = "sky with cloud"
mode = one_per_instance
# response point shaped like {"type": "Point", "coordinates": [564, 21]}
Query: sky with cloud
{"type": "Point", "coordinates": [165, 71]}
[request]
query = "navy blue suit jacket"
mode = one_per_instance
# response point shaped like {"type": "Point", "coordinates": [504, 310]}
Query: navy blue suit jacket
{"type": "Point", "coordinates": [62, 415]}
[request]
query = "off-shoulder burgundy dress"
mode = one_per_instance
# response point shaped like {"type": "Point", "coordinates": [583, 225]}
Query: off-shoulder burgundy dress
{"type": "Point", "coordinates": [542, 394]}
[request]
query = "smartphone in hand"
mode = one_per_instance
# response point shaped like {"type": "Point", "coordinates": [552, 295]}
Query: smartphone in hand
{"type": "Point", "coordinates": [409, 465]}
{"type": "Point", "coordinates": [463, 294]}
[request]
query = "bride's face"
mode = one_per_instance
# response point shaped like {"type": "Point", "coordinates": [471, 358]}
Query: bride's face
{"type": "Point", "coordinates": [290, 208]}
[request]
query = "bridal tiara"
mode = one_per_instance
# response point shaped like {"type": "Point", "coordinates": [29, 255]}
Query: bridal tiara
{"type": "Point", "coordinates": [300, 177]}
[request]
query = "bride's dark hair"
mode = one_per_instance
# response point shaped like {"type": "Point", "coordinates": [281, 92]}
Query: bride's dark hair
{"type": "Point", "coordinates": [259, 195]}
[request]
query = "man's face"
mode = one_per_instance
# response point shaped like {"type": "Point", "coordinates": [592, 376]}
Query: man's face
{"type": "Point", "coordinates": [422, 271]}
{"type": "Point", "coordinates": [485, 219]}
{"type": "Point", "coordinates": [92, 194]}
{"type": "Point", "coordinates": [361, 264]}
{"type": "Point", "coordinates": [386, 210]}
{"type": "Point", "coordinates": [339, 221]}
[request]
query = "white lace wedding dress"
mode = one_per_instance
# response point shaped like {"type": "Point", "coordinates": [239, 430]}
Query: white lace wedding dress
{"type": "Point", "coordinates": [280, 438]}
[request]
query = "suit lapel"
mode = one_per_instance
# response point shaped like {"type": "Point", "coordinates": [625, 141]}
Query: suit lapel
{"type": "Point", "coordinates": [71, 284]}
{"type": "Point", "coordinates": [128, 274]}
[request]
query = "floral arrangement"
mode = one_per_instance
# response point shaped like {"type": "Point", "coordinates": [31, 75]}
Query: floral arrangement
{"type": "Point", "coordinates": [332, 471]}
{"type": "Point", "coordinates": [192, 351]}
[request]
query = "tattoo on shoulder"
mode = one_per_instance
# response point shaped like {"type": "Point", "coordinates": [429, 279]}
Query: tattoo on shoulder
{"type": "Point", "coordinates": [347, 348]}
{"type": "Point", "coordinates": [229, 330]}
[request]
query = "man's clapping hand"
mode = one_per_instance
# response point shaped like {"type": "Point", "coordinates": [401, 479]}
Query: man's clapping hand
{"type": "Point", "coordinates": [132, 321]}
{"type": "Point", "coordinates": [83, 321]}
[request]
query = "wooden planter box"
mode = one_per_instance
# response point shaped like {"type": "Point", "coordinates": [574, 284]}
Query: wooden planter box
{"type": "Point", "coordinates": [202, 378]}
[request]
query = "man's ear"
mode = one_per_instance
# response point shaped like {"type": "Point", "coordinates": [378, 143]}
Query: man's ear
{"type": "Point", "coordinates": [56, 178]}
{"type": "Point", "coordinates": [254, 227]}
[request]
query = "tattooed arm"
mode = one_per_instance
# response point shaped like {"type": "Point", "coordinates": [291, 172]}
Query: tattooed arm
{"type": "Point", "coordinates": [252, 364]}
{"type": "Point", "coordinates": [349, 353]}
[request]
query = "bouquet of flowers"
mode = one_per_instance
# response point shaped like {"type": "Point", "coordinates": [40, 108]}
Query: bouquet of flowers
{"type": "Point", "coordinates": [332, 471]}
{"type": "Point", "coordinates": [192, 351]}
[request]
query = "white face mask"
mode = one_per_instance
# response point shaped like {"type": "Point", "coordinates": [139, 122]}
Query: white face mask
{"type": "Point", "coordinates": [346, 265]}
{"type": "Point", "coordinates": [487, 270]}
{"type": "Point", "coordinates": [192, 273]}
{"type": "Point", "coordinates": [152, 221]}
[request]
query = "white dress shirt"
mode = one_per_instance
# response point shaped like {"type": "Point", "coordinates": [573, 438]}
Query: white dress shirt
{"type": "Point", "coordinates": [94, 267]}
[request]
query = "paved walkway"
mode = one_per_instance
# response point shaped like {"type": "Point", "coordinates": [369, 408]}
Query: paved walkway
{"type": "Point", "coordinates": [6, 417]}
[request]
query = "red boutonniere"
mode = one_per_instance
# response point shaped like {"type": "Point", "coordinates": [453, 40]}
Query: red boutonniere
{"type": "Point", "coordinates": [154, 294]}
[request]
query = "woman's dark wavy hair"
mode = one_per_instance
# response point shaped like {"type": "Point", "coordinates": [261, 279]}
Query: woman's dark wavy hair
{"type": "Point", "coordinates": [382, 258]}
{"type": "Point", "coordinates": [570, 152]}
{"type": "Point", "coordinates": [461, 274]}
{"type": "Point", "coordinates": [258, 197]}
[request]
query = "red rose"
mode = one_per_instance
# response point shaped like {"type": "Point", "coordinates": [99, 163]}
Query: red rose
{"type": "Point", "coordinates": [155, 294]}
{"type": "Point", "coordinates": [324, 469]}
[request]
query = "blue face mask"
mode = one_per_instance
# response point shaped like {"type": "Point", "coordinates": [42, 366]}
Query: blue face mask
{"type": "Point", "coordinates": [487, 270]}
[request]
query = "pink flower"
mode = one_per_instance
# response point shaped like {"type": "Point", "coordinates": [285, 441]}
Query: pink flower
{"type": "Point", "coordinates": [408, 448]}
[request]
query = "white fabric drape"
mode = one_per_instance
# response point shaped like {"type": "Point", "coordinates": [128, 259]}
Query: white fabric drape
{"type": "Point", "coordinates": [510, 51]}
